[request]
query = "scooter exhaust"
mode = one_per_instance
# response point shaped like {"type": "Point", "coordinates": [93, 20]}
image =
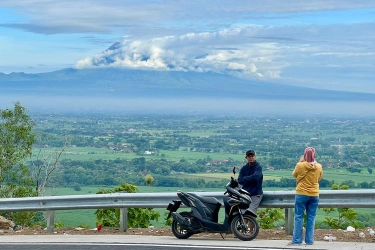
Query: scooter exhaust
{"type": "Point", "coordinates": [183, 221]}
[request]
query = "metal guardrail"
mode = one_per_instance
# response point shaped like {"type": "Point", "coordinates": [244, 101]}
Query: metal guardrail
{"type": "Point", "coordinates": [364, 198]}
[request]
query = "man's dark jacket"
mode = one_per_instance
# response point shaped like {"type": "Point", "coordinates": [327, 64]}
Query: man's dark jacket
{"type": "Point", "coordinates": [251, 178]}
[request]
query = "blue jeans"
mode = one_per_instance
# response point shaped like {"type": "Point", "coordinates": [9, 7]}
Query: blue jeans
{"type": "Point", "coordinates": [310, 205]}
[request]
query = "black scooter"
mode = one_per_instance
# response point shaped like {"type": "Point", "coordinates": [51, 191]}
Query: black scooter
{"type": "Point", "coordinates": [203, 216]}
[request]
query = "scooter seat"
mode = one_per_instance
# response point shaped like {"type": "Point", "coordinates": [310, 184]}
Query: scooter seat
{"type": "Point", "coordinates": [209, 200]}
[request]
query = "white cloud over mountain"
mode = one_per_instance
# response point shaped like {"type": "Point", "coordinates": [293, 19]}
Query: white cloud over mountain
{"type": "Point", "coordinates": [250, 51]}
{"type": "Point", "coordinates": [219, 52]}
{"type": "Point", "coordinates": [321, 44]}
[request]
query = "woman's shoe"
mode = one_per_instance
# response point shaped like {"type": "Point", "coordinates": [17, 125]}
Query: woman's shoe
{"type": "Point", "coordinates": [292, 244]}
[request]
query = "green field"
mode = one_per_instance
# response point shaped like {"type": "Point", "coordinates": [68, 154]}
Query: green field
{"type": "Point", "coordinates": [88, 153]}
{"type": "Point", "coordinates": [75, 218]}
{"type": "Point", "coordinates": [91, 153]}
{"type": "Point", "coordinates": [336, 175]}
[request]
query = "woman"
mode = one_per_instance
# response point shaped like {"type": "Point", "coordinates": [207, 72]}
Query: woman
{"type": "Point", "coordinates": [308, 173]}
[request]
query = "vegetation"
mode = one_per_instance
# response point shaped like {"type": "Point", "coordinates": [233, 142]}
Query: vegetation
{"type": "Point", "coordinates": [196, 153]}
{"type": "Point", "coordinates": [76, 151]}
{"type": "Point", "coordinates": [346, 216]}
{"type": "Point", "coordinates": [16, 141]}
{"type": "Point", "coordinates": [112, 149]}
{"type": "Point", "coordinates": [268, 217]}
{"type": "Point", "coordinates": [137, 217]}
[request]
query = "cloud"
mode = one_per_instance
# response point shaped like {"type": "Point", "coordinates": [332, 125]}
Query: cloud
{"type": "Point", "coordinates": [251, 51]}
{"type": "Point", "coordinates": [200, 52]}
{"type": "Point", "coordinates": [331, 41]}
{"type": "Point", "coordinates": [150, 17]}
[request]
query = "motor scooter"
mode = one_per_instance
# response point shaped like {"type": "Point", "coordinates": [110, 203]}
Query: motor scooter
{"type": "Point", "coordinates": [204, 213]}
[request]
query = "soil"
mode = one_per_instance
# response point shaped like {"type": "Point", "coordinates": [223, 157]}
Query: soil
{"type": "Point", "coordinates": [267, 234]}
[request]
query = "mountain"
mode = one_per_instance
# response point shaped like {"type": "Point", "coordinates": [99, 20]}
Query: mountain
{"type": "Point", "coordinates": [165, 84]}
{"type": "Point", "coordinates": [112, 87]}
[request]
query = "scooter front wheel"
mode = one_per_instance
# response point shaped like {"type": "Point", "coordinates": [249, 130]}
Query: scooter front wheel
{"type": "Point", "coordinates": [245, 230]}
{"type": "Point", "coordinates": [180, 231]}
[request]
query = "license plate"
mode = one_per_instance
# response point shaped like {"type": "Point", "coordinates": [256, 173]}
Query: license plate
{"type": "Point", "coordinates": [172, 207]}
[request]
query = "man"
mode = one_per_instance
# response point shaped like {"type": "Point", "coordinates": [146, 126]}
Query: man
{"type": "Point", "coordinates": [251, 179]}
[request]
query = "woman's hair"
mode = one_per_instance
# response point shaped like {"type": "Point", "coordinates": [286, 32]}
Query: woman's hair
{"type": "Point", "coordinates": [309, 154]}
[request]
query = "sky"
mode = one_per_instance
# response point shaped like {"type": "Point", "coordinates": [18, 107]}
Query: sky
{"type": "Point", "coordinates": [325, 44]}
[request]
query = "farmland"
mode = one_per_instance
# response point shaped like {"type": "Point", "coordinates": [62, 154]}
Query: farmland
{"type": "Point", "coordinates": [196, 152]}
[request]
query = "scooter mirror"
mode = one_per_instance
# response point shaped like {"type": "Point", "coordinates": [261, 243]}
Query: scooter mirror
{"type": "Point", "coordinates": [234, 170]}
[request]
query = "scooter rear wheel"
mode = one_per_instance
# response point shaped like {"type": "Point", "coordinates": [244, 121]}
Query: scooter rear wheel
{"type": "Point", "coordinates": [247, 231]}
{"type": "Point", "coordinates": [179, 230]}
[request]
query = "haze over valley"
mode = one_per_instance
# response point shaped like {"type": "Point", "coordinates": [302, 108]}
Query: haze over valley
{"type": "Point", "coordinates": [126, 90]}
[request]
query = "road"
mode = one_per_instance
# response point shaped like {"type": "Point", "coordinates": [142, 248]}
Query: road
{"type": "Point", "coordinates": [140, 242]}
{"type": "Point", "coordinates": [117, 246]}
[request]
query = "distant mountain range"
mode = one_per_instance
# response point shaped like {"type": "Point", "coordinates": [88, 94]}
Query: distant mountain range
{"type": "Point", "coordinates": [112, 82]}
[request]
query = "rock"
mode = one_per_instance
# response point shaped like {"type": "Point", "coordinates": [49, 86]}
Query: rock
{"type": "Point", "coordinates": [5, 223]}
{"type": "Point", "coordinates": [350, 229]}
{"type": "Point", "coordinates": [329, 237]}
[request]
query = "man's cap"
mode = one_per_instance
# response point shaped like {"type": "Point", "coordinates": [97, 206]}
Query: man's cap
{"type": "Point", "coordinates": [250, 152]}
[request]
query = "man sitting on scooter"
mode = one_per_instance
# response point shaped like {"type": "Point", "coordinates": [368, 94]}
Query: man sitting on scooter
{"type": "Point", "coordinates": [251, 179]}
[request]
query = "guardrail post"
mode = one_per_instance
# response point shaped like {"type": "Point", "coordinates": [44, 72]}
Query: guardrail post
{"type": "Point", "coordinates": [289, 221]}
{"type": "Point", "coordinates": [50, 220]}
{"type": "Point", "coordinates": [123, 219]}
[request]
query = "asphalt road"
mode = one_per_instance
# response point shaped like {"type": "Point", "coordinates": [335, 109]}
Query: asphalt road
{"type": "Point", "coordinates": [143, 242]}
{"type": "Point", "coordinates": [118, 246]}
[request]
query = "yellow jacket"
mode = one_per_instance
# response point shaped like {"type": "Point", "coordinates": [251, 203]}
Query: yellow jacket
{"type": "Point", "coordinates": [308, 176]}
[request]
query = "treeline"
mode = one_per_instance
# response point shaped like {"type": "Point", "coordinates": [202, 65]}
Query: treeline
{"type": "Point", "coordinates": [165, 173]}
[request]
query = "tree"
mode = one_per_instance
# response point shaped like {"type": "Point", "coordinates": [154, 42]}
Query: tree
{"type": "Point", "coordinates": [16, 141]}
{"type": "Point", "coordinates": [354, 170]}
{"type": "Point", "coordinates": [149, 179]}
{"type": "Point", "coordinates": [344, 164]}
{"type": "Point", "coordinates": [43, 167]}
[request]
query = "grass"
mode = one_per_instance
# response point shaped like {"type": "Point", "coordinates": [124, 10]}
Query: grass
{"type": "Point", "coordinates": [76, 218]}
{"type": "Point", "coordinates": [86, 154]}
{"type": "Point", "coordinates": [70, 191]}
{"type": "Point", "coordinates": [336, 175]}
{"type": "Point", "coordinates": [91, 153]}
{"type": "Point", "coordinates": [86, 217]}
{"type": "Point", "coordinates": [194, 156]}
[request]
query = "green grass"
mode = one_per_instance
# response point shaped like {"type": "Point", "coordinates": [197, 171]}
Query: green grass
{"type": "Point", "coordinates": [337, 175]}
{"type": "Point", "coordinates": [86, 217]}
{"type": "Point", "coordinates": [86, 154]}
{"type": "Point", "coordinates": [76, 218]}
{"type": "Point", "coordinates": [70, 191]}
{"type": "Point", "coordinates": [194, 156]}
{"type": "Point", "coordinates": [85, 190]}
{"type": "Point", "coordinates": [91, 153]}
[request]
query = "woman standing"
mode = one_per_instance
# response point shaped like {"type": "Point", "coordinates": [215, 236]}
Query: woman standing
{"type": "Point", "coordinates": [308, 173]}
